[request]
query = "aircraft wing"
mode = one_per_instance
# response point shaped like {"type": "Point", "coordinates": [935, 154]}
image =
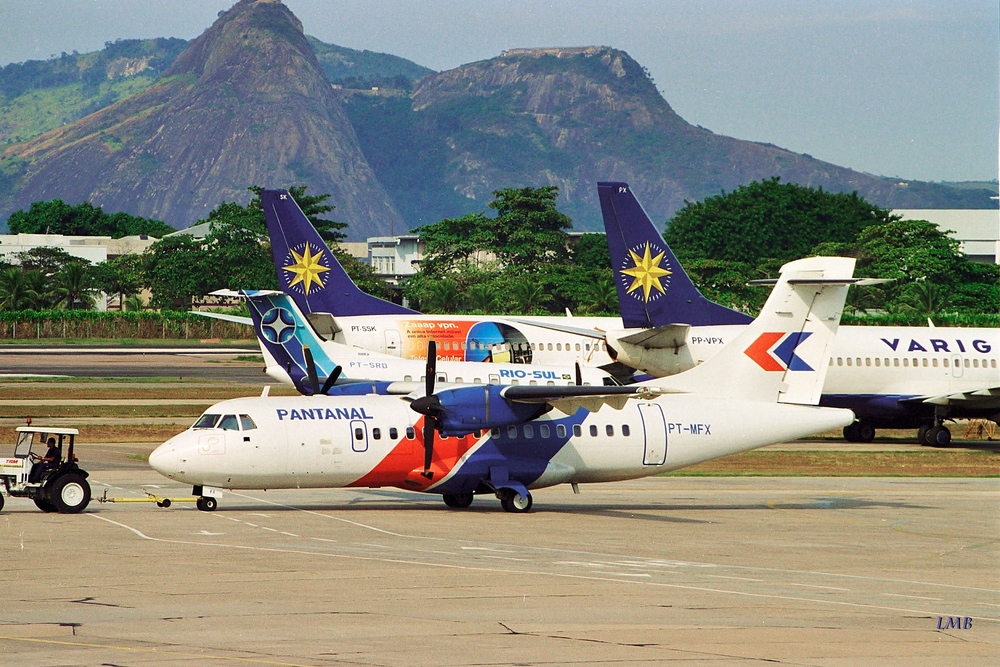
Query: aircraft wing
{"type": "Point", "coordinates": [226, 318]}
{"type": "Point", "coordinates": [576, 331]}
{"type": "Point", "coordinates": [973, 399]}
{"type": "Point", "coordinates": [569, 399]}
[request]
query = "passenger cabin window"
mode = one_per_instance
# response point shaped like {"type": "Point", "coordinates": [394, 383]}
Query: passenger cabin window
{"type": "Point", "coordinates": [529, 431]}
{"type": "Point", "coordinates": [410, 435]}
{"type": "Point", "coordinates": [543, 430]}
{"type": "Point", "coordinates": [934, 362]}
{"type": "Point", "coordinates": [206, 421]}
{"type": "Point", "coordinates": [975, 363]}
{"type": "Point", "coordinates": [512, 432]}
{"type": "Point", "coordinates": [494, 433]}
{"type": "Point", "coordinates": [359, 433]}
{"type": "Point", "coordinates": [840, 361]}
{"type": "Point", "coordinates": [610, 430]}
{"type": "Point", "coordinates": [376, 433]}
{"type": "Point", "coordinates": [944, 362]}
{"type": "Point", "coordinates": [906, 363]}
{"type": "Point", "coordinates": [878, 362]}
{"type": "Point", "coordinates": [848, 361]}
{"type": "Point", "coordinates": [895, 362]}
{"type": "Point", "coordinates": [229, 423]}
{"type": "Point", "coordinates": [577, 431]}
{"type": "Point", "coordinates": [393, 433]}
{"type": "Point", "coordinates": [247, 423]}
{"type": "Point", "coordinates": [559, 347]}
{"type": "Point", "coordinates": [560, 430]}
{"type": "Point", "coordinates": [626, 431]}
{"type": "Point", "coordinates": [925, 362]}
{"type": "Point", "coordinates": [577, 347]}
{"type": "Point", "coordinates": [868, 361]}
{"type": "Point", "coordinates": [593, 430]}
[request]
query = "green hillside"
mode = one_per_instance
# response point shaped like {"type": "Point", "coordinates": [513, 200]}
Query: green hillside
{"type": "Point", "coordinates": [351, 68]}
{"type": "Point", "coordinates": [40, 95]}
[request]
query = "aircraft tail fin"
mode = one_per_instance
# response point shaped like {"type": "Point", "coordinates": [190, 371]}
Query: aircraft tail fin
{"type": "Point", "coordinates": [653, 289]}
{"type": "Point", "coordinates": [784, 354]}
{"type": "Point", "coordinates": [283, 333]}
{"type": "Point", "coordinates": [307, 270]}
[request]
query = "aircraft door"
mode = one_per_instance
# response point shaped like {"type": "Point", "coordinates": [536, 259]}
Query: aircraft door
{"type": "Point", "coordinates": [956, 366]}
{"type": "Point", "coordinates": [655, 430]}
{"type": "Point", "coordinates": [359, 436]}
{"type": "Point", "coordinates": [392, 345]}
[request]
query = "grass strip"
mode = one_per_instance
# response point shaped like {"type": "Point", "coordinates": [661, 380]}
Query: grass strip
{"type": "Point", "coordinates": [934, 463]}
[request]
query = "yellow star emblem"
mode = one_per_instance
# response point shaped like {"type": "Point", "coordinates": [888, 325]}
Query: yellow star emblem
{"type": "Point", "coordinates": [646, 273]}
{"type": "Point", "coordinates": [306, 269]}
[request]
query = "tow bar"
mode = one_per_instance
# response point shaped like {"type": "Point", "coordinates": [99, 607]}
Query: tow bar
{"type": "Point", "coordinates": [150, 498]}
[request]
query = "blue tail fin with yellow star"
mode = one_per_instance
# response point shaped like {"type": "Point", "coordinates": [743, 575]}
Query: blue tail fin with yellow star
{"type": "Point", "coordinates": [653, 289]}
{"type": "Point", "coordinates": [307, 271]}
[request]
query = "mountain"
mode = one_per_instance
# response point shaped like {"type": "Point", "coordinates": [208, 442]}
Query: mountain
{"type": "Point", "coordinates": [351, 68]}
{"type": "Point", "coordinates": [571, 117]}
{"type": "Point", "coordinates": [39, 95]}
{"type": "Point", "coordinates": [246, 103]}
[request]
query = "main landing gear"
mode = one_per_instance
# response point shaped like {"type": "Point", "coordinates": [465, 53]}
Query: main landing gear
{"type": "Point", "coordinates": [934, 435]}
{"type": "Point", "coordinates": [510, 500]}
{"type": "Point", "coordinates": [859, 432]}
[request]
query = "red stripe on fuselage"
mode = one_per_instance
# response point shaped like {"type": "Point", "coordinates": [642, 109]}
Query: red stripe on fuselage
{"type": "Point", "coordinates": [758, 350]}
{"type": "Point", "coordinates": [403, 465]}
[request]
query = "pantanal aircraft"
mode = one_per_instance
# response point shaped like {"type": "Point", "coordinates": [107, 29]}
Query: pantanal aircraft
{"type": "Point", "coordinates": [505, 440]}
{"type": "Point", "coordinates": [341, 312]}
{"type": "Point", "coordinates": [891, 377]}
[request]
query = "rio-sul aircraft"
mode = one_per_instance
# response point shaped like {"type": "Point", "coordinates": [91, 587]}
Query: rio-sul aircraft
{"type": "Point", "coordinates": [505, 440]}
{"type": "Point", "coordinates": [339, 311]}
{"type": "Point", "coordinates": [283, 332]}
{"type": "Point", "coordinates": [891, 377]}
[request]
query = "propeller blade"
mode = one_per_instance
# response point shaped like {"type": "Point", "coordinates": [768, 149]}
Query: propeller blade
{"type": "Point", "coordinates": [431, 368]}
{"type": "Point", "coordinates": [579, 375]}
{"type": "Point", "coordinates": [332, 380]}
{"type": "Point", "coordinates": [311, 369]}
{"type": "Point", "coordinates": [429, 427]}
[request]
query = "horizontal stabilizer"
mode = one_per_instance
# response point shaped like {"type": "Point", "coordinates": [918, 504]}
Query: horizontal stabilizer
{"type": "Point", "coordinates": [667, 336]}
{"type": "Point", "coordinates": [222, 316]}
{"type": "Point", "coordinates": [562, 328]}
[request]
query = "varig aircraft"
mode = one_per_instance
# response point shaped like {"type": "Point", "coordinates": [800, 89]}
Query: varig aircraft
{"type": "Point", "coordinates": [891, 377]}
{"type": "Point", "coordinates": [339, 311]}
{"type": "Point", "coordinates": [284, 333]}
{"type": "Point", "coordinates": [505, 440]}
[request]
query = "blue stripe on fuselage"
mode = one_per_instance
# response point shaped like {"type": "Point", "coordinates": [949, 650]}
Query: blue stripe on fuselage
{"type": "Point", "coordinates": [525, 459]}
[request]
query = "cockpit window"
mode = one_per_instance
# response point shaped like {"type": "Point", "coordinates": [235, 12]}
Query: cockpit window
{"type": "Point", "coordinates": [229, 423]}
{"type": "Point", "coordinates": [206, 421]}
{"type": "Point", "coordinates": [247, 423]}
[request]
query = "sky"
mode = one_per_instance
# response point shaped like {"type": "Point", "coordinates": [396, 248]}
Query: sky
{"type": "Point", "coordinates": [900, 88]}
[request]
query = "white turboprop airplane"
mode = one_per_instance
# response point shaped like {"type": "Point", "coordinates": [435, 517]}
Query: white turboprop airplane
{"type": "Point", "coordinates": [506, 440]}
{"type": "Point", "coordinates": [891, 377]}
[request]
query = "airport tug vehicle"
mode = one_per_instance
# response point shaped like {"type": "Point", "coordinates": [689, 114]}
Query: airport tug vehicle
{"type": "Point", "coordinates": [56, 485]}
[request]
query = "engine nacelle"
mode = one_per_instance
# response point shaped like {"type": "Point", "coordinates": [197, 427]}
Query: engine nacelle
{"type": "Point", "coordinates": [658, 362]}
{"type": "Point", "coordinates": [467, 409]}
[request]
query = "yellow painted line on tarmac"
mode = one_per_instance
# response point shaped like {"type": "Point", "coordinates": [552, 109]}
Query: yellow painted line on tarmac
{"type": "Point", "coordinates": [131, 649]}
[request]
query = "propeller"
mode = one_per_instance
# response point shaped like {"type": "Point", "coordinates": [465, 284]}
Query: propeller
{"type": "Point", "coordinates": [429, 405]}
{"type": "Point", "coordinates": [314, 377]}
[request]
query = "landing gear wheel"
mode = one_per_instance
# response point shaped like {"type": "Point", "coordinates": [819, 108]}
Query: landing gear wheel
{"type": "Point", "coordinates": [206, 504]}
{"type": "Point", "coordinates": [922, 435]}
{"type": "Point", "coordinates": [458, 500]}
{"type": "Point", "coordinates": [866, 432]}
{"type": "Point", "coordinates": [939, 436]}
{"type": "Point", "coordinates": [1, 502]}
{"type": "Point", "coordinates": [70, 494]}
{"type": "Point", "coordinates": [514, 502]}
{"type": "Point", "coordinates": [44, 505]}
{"type": "Point", "coordinates": [851, 432]}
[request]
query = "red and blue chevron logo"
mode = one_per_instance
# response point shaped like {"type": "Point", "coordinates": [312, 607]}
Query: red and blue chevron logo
{"type": "Point", "coordinates": [775, 351]}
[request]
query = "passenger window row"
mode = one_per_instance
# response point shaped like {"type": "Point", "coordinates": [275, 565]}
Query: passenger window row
{"type": "Point", "coordinates": [544, 431]}
{"type": "Point", "coordinates": [914, 363]}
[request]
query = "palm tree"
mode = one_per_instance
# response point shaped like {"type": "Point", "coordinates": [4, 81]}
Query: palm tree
{"type": "Point", "coordinates": [529, 295]}
{"type": "Point", "coordinates": [39, 289]}
{"type": "Point", "coordinates": [926, 298]}
{"type": "Point", "coordinates": [601, 296]}
{"type": "Point", "coordinates": [73, 289]}
{"type": "Point", "coordinates": [134, 302]}
{"type": "Point", "coordinates": [441, 296]}
{"type": "Point", "coordinates": [15, 292]}
{"type": "Point", "coordinates": [481, 298]}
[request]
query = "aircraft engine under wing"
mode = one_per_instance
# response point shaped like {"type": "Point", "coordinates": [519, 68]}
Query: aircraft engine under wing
{"type": "Point", "coordinates": [983, 402]}
{"type": "Point", "coordinates": [659, 351]}
{"type": "Point", "coordinates": [569, 399]}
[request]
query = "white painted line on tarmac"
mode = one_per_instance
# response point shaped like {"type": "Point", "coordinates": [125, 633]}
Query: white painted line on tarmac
{"type": "Point", "coordinates": [917, 597]}
{"type": "Point", "coordinates": [830, 588]}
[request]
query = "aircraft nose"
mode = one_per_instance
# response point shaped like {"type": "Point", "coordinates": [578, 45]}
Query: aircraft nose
{"type": "Point", "coordinates": [163, 459]}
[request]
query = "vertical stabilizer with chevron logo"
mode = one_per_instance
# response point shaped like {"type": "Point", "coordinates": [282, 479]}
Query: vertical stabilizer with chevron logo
{"type": "Point", "coordinates": [784, 354]}
{"type": "Point", "coordinates": [307, 270]}
{"type": "Point", "coordinates": [653, 289]}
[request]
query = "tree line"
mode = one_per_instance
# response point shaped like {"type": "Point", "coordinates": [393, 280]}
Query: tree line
{"type": "Point", "coordinates": [517, 257]}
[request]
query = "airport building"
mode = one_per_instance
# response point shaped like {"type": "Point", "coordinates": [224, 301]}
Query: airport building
{"type": "Point", "coordinates": [978, 230]}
